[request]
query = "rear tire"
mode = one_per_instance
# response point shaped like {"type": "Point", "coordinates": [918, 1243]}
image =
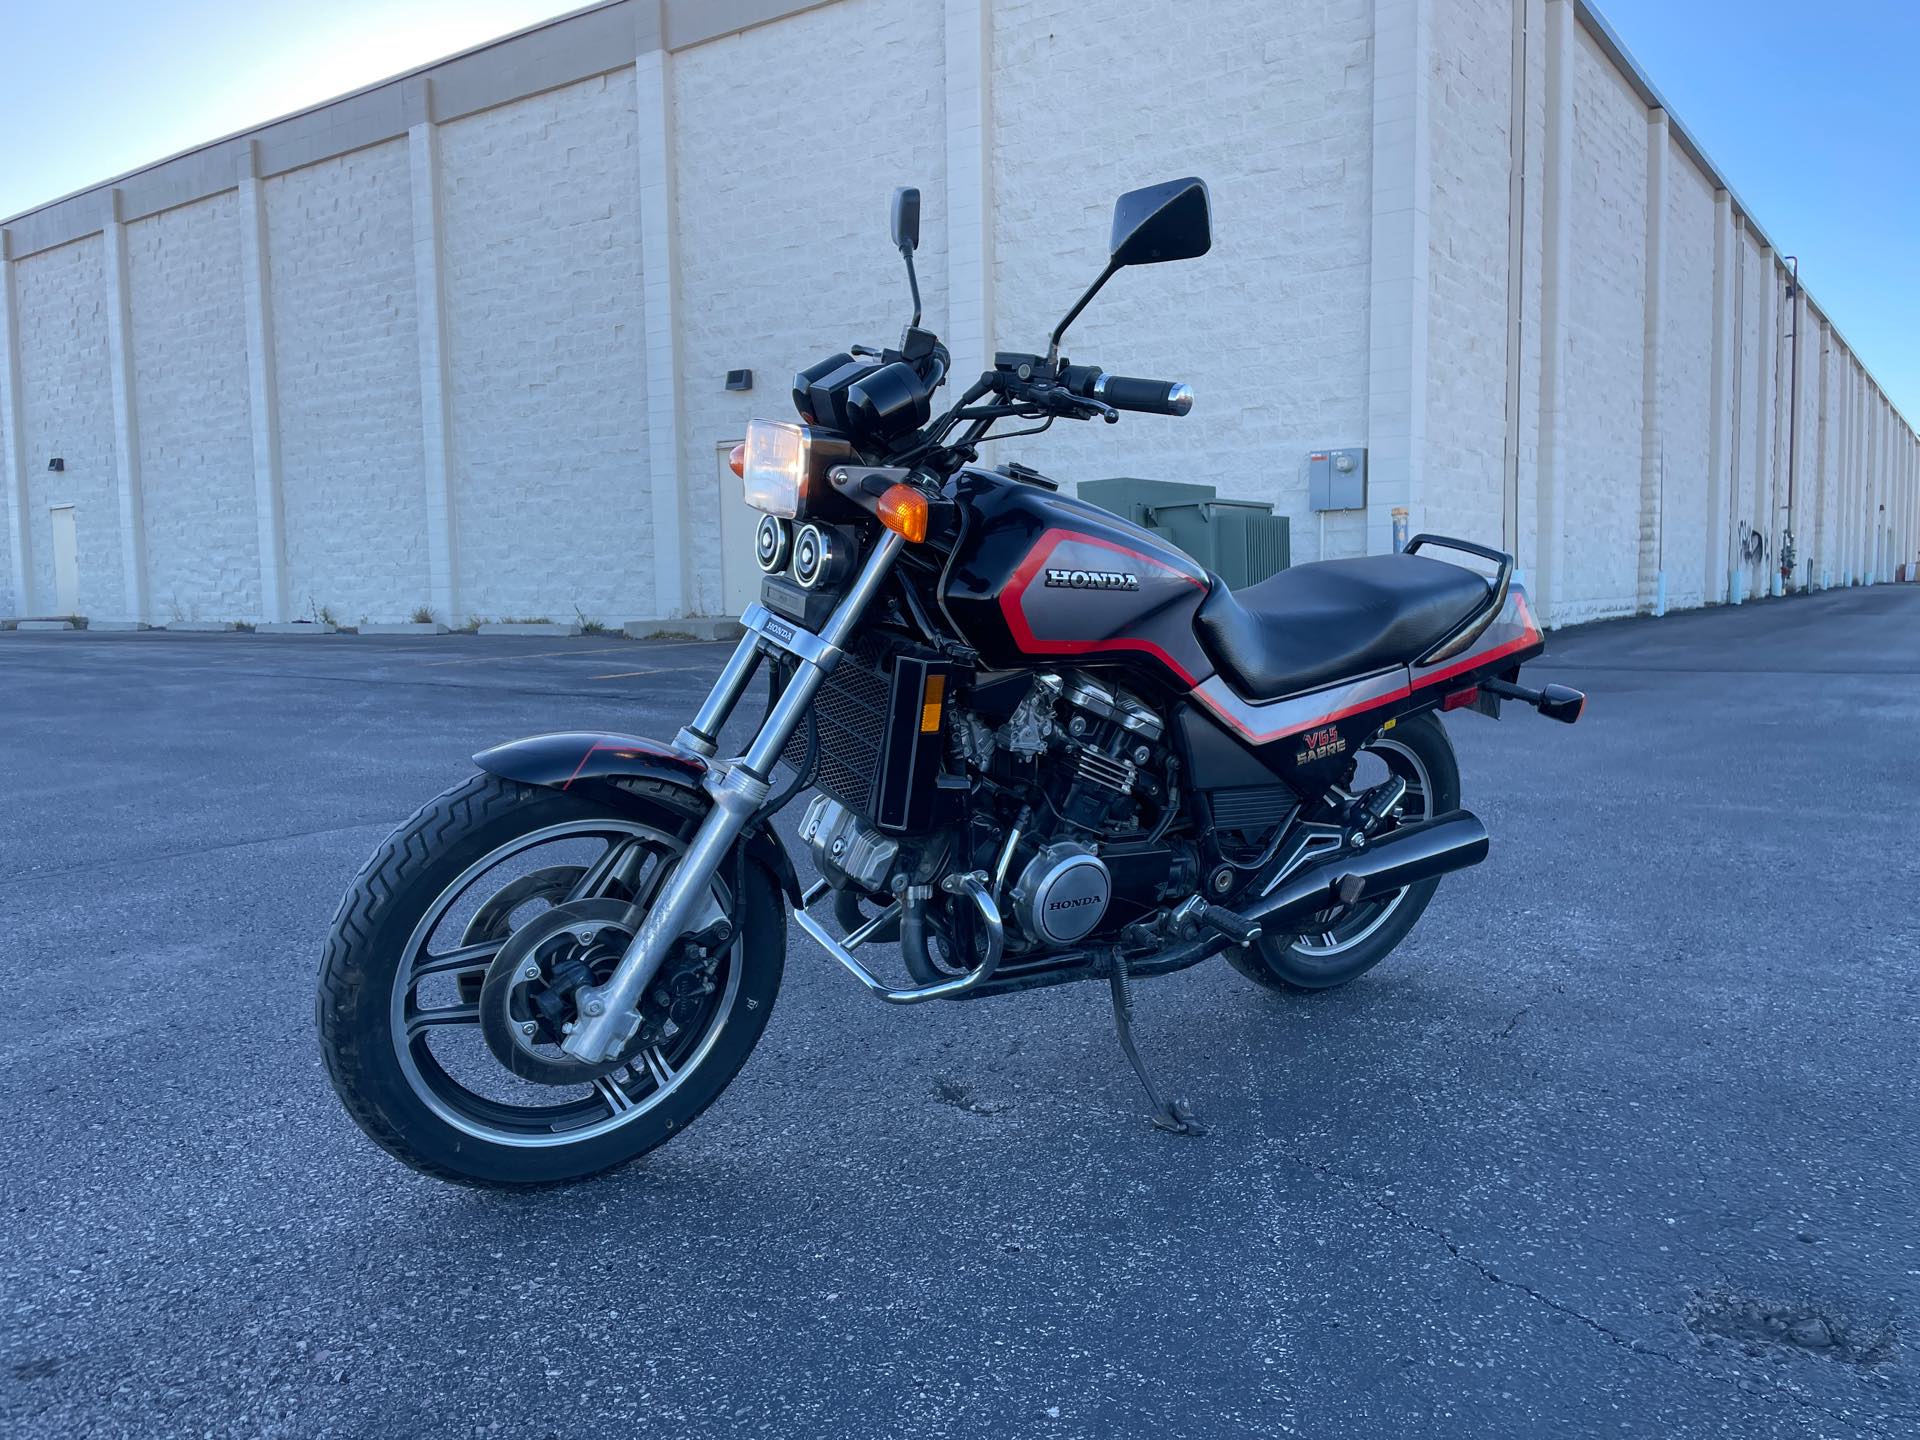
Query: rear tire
{"type": "Point", "coordinates": [1415, 746]}
{"type": "Point", "coordinates": [378, 928]}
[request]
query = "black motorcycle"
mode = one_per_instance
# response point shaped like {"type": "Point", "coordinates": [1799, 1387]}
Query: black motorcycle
{"type": "Point", "coordinates": [1044, 746]}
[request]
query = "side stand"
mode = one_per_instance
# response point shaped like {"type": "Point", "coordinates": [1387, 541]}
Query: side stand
{"type": "Point", "coordinates": [1176, 1118]}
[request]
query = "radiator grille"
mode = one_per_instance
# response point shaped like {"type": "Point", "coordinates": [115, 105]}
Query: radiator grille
{"type": "Point", "coordinates": [850, 709]}
{"type": "Point", "coordinates": [1250, 809]}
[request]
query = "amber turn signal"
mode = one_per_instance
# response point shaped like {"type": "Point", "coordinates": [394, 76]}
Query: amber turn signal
{"type": "Point", "coordinates": [903, 510]}
{"type": "Point", "coordinates": [737, 459]}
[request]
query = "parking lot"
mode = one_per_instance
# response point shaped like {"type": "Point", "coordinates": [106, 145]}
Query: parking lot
{"type": "Point", "coordinates": [1622, 1141]}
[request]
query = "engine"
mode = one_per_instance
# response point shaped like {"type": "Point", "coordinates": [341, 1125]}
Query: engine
{"type": "Point", "coordinates": [1071, 805]}
{"type": "Point", "coordinates": [1078, 795]}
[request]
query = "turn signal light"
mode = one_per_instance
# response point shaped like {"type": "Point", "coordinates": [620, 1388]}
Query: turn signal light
{"type": "Point", "coordinates": [737, 459]}
{"type": "Point", "coordinates": [903, 510]}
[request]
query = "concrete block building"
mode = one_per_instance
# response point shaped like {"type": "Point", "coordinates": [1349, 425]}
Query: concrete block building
{"type": "Point", "coordinates": [460, 341]}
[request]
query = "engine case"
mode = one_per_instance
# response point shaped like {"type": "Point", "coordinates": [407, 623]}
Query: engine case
{"type": "Point", "coordinates": [1062, 894]}
{"type": "Point", "coordinates": [846, 849]}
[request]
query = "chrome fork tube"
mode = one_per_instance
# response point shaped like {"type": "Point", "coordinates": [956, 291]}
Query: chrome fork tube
{"type": "Point", "coordinates": [702, 735]}
{"type": "Point", "coordinates": [609, 1014]}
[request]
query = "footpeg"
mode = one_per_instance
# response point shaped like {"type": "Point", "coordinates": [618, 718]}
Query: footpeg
{"type": "Point", "coordinates": [1371, 810]}
{"type": "Point", "coordinates": [1222, 921]}
{"type": "Point", "coordinates": [1195, 916]}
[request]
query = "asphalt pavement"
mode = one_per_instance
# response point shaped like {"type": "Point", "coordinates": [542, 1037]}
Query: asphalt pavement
{"type": "Point", "coordinates": [1621, 1142]}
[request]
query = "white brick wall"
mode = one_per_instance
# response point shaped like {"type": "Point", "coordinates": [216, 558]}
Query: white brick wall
{"type": "Point", "coordinates": [1686, 366]}
{"type": "Point", "coordinates": [341, 270]}
{"type": "Point", "coordinates": [789, 141]}
{"type": "Point", "coordinates": [67, 411]}
{"type": "Point", "coordinates": [604, 251]}
{"type": "Point", "coordinates": [1467, 281]}
{"type": "Point", "coordinates": [1601, 500]}
{"type": "Point", "coordinates": [188, 336]}
{"type": "Point", "coordinates": [1272, 105]}
{"type": "Point", "coordinates": [544, 339]}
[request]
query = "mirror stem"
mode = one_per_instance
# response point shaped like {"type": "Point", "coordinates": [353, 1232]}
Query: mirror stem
{"type": "Point", "coordinates": [1053, 341]}
{"type": "Point", "coordinates": [913, 283]}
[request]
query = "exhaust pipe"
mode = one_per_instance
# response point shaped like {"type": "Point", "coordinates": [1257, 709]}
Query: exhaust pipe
{"type": "Point", "coordinates": [1396, 860]}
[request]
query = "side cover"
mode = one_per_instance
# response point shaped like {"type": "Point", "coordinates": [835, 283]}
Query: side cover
{"type": "Point", "coordinates": [591, 764]}
{"type": "Point", "coordinates": [1037, 576]}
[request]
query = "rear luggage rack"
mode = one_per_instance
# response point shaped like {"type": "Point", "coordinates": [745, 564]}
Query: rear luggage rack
{"type": "Point", "coordinates": [1475, 624]}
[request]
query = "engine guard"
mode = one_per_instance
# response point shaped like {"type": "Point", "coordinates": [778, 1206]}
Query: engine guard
{"type": "Point", "coordinates": [591, 764]}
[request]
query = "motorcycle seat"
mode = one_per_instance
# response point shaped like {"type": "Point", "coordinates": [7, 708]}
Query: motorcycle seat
{"type": "Point", "coordinates": [1333, 620]}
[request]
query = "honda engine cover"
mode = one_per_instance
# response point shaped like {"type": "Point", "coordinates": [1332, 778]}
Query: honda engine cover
{"type": "Point", "coordinates": [1062, 894]}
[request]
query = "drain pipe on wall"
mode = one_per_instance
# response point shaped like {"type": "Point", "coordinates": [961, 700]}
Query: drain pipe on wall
{"type": "Point", "coordinates": [1792, 515]}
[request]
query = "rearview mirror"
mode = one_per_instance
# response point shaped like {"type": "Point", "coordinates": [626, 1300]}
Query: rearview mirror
{"type": "Point", "coordinates": [1169, 221]}
{"type": "Point", "coordinates": [906, 218]}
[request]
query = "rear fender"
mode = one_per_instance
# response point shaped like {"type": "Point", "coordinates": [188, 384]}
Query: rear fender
{"type": "Point", "coordinates": [595, 766]}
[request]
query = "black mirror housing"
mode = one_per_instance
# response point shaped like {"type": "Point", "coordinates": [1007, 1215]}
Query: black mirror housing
{"type": "Point", "coordinates": [906, 218]}
{"type": "Point", "coordinates": [1169, 221]}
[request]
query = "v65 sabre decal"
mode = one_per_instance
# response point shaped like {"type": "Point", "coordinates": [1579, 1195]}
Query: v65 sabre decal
{"type": "Point", "coordinates": [1092, 579]}
{"type": "Point", "coordinates": [1320, 744]}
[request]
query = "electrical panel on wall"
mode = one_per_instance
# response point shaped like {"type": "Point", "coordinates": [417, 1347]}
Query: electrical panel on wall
{"type": "Point", "coordinates": [1337, 479]}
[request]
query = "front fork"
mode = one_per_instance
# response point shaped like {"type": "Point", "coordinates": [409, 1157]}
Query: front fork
{"type": "Point", "coordinates": [609, 1014]}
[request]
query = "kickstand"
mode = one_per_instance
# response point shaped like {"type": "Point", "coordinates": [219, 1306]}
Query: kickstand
{"type": "Point", "coordinates": [1176, 1118]}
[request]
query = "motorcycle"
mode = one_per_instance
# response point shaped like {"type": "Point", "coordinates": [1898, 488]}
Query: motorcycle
{"type": "Point", "coordinates": [1043, 746]}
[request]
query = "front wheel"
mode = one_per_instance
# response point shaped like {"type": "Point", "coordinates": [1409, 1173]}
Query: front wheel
{"type": "Point", "coordinates": [444, 988]}
{"type": "Point", "coordinates": [1344, 944]}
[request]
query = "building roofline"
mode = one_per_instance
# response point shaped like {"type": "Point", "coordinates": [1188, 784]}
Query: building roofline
{"type": "Point", "coordinates": [595, 40]}
{"type": "Point", "coordinates": [1616, 50]}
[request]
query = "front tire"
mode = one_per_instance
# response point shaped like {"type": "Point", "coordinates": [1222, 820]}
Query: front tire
{"type": "Point", "coordinates": [1417, 750]}
{"type": "Point", "coordinates": [378, 1035]}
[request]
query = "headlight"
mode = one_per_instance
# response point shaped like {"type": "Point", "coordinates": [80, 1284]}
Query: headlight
{"type": "Point", "coordinates": [774, 467]}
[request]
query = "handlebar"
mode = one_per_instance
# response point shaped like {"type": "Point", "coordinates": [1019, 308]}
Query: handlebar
{"type": "Point", "coordinates": [1127, 392]}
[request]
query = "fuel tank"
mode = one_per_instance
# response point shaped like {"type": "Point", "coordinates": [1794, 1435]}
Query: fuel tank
{"type": "Point", "coordinates": [1037, 577]}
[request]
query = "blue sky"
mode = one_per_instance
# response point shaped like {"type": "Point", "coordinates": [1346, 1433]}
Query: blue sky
{"type": "Point", "coordinates": [1811, 112]}
{"type": "Point", "coordinates": [1809, 109]}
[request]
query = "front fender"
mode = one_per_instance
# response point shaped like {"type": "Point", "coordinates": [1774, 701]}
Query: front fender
{"type": "Point", "coordinates": [590, 763]}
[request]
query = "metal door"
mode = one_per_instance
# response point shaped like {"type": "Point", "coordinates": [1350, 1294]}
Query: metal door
{"type": "Point", "coordinates": [739, 573]}
{"type": "Point", "coordinates": [66, 560]}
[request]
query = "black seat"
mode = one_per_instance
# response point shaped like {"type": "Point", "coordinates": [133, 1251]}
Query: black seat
{"type": "Point", "coordinates": [1333, 619]}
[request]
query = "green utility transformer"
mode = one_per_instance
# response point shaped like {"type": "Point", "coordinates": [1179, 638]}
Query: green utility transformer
{"type": "Point", "coordinates": [1241, 541]}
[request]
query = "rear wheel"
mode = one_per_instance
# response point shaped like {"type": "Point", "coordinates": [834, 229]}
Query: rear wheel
{"type": "Point", "coordinates": [446, 982]}
{"type": "Point", "coordinates": [1344, 943]}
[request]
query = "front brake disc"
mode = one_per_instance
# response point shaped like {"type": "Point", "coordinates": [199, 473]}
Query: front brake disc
{"type": "Point", "coordinates": [578, 942]}
{"type": "Point", "coordinates": [494, 920]}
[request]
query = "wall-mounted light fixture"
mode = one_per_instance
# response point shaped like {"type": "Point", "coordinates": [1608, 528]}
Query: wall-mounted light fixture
{"type": "Point", "coordinates": [739, 379]}
{"type": "Point", "coordinates": [56, 463]}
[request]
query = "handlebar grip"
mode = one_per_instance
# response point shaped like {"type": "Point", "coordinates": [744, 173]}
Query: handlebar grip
{"type": "Point", "coordinates": [1126, 392]}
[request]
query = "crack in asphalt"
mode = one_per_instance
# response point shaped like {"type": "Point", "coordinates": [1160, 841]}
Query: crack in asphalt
{"type": "Point", "coordinates": [125, 862]}
{"type": "Point", "coordinates": [1613, 1337]}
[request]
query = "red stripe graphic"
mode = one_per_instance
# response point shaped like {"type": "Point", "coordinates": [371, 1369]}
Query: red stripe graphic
{"type": "Point", "coordinates": [1012, 608]}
